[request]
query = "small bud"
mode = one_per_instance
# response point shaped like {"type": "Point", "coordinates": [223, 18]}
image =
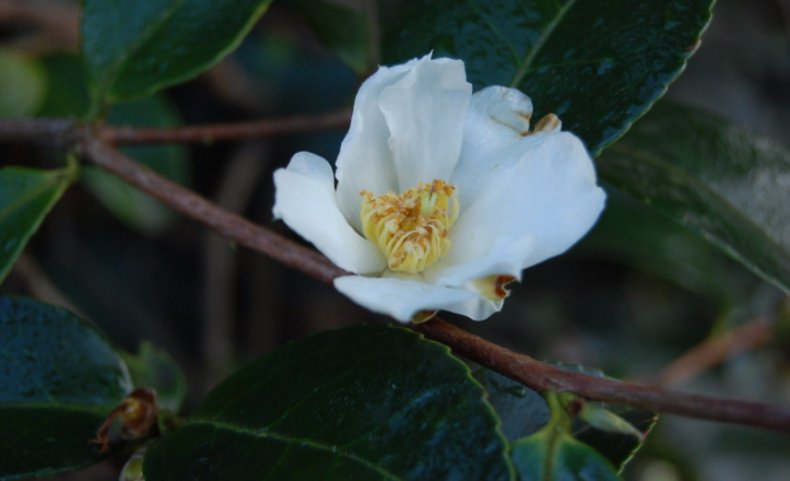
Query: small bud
{"type": "Point", "coordinates": [137, 412]}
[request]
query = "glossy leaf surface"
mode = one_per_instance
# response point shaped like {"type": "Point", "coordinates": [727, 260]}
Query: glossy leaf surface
{"type": "Point", "coordinates": [522, 410]}
{"type": "Point", "coordinates": [26, 197]}
{"type": "Point", "coordinates": [58, 380]}
{"type": "Point", "coordinates": [715, 178]}
{"type": "Point", "coordinates": [133, 49]}
{"type": "Point", "coordinates": [597, 64]}
{"type": "Point", "coordinates": [362, 403]}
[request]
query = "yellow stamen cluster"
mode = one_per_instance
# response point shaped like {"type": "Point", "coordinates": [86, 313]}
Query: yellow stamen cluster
{"type": "Point", "coordinates": [411, 229]}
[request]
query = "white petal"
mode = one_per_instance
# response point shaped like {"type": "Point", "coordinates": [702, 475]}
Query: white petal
{"type": "Point", "coordinates": [365, 160]}
{"type": "Point", "coordinates": [305, 200]}
{"type": "Point", "coordinates": [403, 298]}
{"type": "Point", "coordinates": [497, 118]}
{"type": "Point", "coordinates": [548, 195]}
{"type": "Point", "coordinates": [506, 256]}
{"type": "Point", "coordinates": [425, 112]}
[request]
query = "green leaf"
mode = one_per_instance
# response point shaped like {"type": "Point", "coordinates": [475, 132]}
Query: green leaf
{"type": "Point", "coordinates": [597, 64]}
{"type": "Point", "coordinates": [618, 448]}
{"type": "Point", "coordinates": [631, 232]}
{"type": "Point", "coordinates": [548, 456]}
{"type": "Point", "coordinates": [133, 207]}
{"type": "Point", "coordinates": [22, 85]}
{"type": "Point", "coordinates": [26, 197]}
{"type": "Point", "coordinates": [133, 49]}
{"type": "Point", "coordinates": [58, 379]}
{"type": "Point", "coordinates": [363, 403]}
{"type": "Point", "coordinates": [344, 28]}
{"type": "Point", "coordinates": [553, 454]}
{"type": "Point", "coordinates": [522, 410]}
{"type": "Point", "coordinates": [154, 368]}
{"type": "Point", "coordinates": [715, 178]}
{"type": "Point", "coordinates": [67, 95]}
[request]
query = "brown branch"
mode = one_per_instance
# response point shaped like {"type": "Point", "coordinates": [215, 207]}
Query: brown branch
{"type": "Point", "coordinates": [713, 351]}
{"type": "Point", "coordinates": [44, 131]}
{"type": "Point", "coordinates": [541, 376]}
{"type": "Point", "coordinates": [241, 130]}
{"type": "Point", "coordinates": [227, 224]}
{"type": "Point", "coordinates": [522, 368]}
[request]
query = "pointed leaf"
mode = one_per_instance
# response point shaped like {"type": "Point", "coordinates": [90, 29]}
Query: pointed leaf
{"type": "Point", "coordinates": [598, 64]}
{"type": "Point", "coordinates": [26, 197]}
{"type": "Point", "coordinates": [132, 49]}
{"type": "Point", "coordinates": [364, 403]}
{"type": "Point", "coordinates": [58, 379]}
{"type": "Point", "coordinates": [717, 179]}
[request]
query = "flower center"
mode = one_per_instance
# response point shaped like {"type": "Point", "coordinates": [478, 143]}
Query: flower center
{"type": "Point", "coordinates": [411, 229]}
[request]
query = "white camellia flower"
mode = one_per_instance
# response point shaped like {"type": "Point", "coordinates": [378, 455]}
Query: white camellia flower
{"type": "Point", "coordinates": [443, 196]}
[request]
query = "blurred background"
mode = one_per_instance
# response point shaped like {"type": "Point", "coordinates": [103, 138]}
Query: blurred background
{"type": "Point", "coordinates": [640, 297]}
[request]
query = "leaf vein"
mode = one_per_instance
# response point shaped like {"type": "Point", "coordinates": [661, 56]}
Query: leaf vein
{"type": "Point", "coordinates": [538, 46]}
{"type": "Point", "coordinates": [300, 441]}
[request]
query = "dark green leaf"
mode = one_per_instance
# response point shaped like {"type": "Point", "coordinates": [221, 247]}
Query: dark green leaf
{"type": "Point", "coordinates": [631, 232]}
{"type": "Point", "coordinates": [154, 368]}
{"type": "Point", "coordinates": [26, 197]}
{"type": "Point", "coordinates": [58, 379]}
{"type": "Point", "coordinates": [598, 64]}
{"type": "Point", "coordinates": [132, 206]}
{"type": "Point", "coordinates": [132, 49]}
{"type": "Point", "coordinates": [362, 403]}
{"type": "Point", "coordinates": [522, 410]}
{"type": "Point", "coordinates": [713, 177]}
{"type": "Point", "coordinates": [22, 84]}
{"type": "Point", "coordinates": [344, 28]}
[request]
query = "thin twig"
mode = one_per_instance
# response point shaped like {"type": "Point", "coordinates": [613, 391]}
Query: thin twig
{"type": "Point", "coordinates": [236, 186]}
{"type": "Point", "coordinates": [522, 368]}
{"type": "Point", "coordinates": [227, 224]}
{"type": "Point", "coordinates": [242, 130]}
{"type": "Point", "coordinates": [713, 351]}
